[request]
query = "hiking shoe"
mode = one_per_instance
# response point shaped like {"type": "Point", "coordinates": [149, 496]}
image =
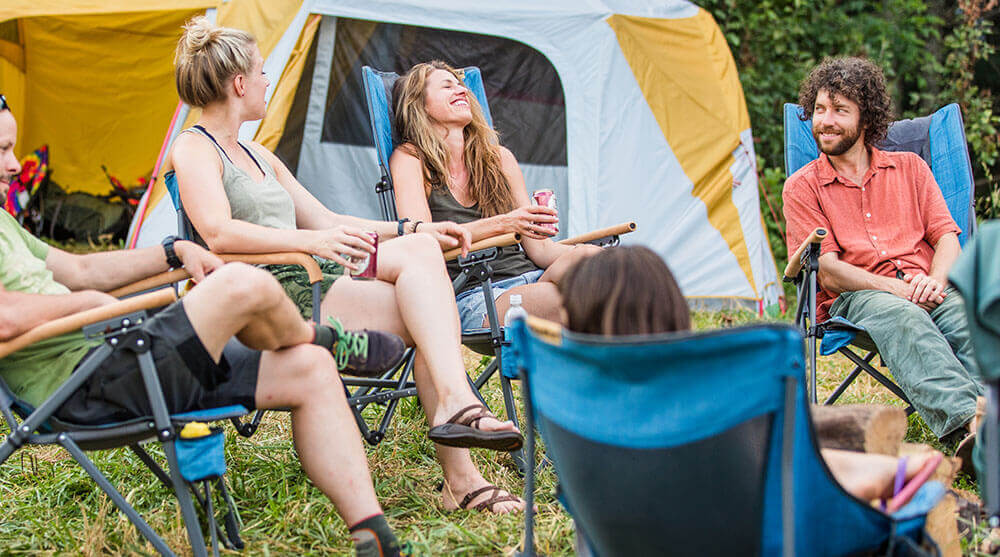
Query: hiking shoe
{"type": "Point", "coordinates": [365, 353]}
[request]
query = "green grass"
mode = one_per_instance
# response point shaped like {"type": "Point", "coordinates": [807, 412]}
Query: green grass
{"type": "Point", "coordinates": [49, 506]}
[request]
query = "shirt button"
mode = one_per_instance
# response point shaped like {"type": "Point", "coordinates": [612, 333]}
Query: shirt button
{"type": "Point", "coordinates": [883, 252]}
{"type": "Point", "coordinates": [874, 237]}
{"type": "Point", "coordinates": [868, 215]}
{"type": "Point", "coordinates": [862, 189]}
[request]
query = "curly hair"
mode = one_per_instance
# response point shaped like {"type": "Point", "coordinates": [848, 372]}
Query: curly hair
{"type": "Point", "coordinates": [857, 79]}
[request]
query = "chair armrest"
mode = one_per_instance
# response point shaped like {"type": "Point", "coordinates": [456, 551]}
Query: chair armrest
{"type": "Point", "coordinates": [795, 261]}
{"type": "Point", "coordinates": [77, 321]}
{"type": "Point", "coordinates": [616, 230]}
{"type": "Point", "coordinates": [549, 331]}
{"type": "Point", "coordinates": [278, 258]}
{"type": "Point", "coordinates": [486, 243]}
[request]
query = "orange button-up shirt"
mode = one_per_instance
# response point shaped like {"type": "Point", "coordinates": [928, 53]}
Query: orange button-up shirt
{"type": "Point", "coordinates": [889, 223]}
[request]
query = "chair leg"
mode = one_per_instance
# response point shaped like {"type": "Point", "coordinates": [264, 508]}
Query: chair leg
{"type": "Point", "coordinates": [116, 497]}
{"type": "Point", "coordinates": [151, 464]}
{"type": "Point", "coordinates": [878, 376]}
{"type": "Point", "coordinates": [511, 407]}
{"type": "Point", "coordinates": [188, 512]}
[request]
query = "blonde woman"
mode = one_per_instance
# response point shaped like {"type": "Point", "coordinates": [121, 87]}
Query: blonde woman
{"type": "Point", "coordinates": [242, 199]}
{"type": "Point", "coordinates": [451, 167]}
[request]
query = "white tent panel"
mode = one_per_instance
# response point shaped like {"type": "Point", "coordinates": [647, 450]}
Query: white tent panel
{"type": "Point", "coordinates": [160, 222]}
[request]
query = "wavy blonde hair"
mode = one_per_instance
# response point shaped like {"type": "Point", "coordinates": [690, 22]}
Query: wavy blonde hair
{"type": "Point", "coordinates": [207, 57]}
{"type": "Point", "coordinates": [487, 184]}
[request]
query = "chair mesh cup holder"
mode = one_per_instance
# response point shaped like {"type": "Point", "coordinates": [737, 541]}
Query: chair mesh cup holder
{"type": "Point", "coordinates": [202, 457]}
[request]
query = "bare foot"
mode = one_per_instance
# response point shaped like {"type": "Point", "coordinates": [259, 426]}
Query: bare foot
{"type": "Point", "coordinates": [486, 423]}
{"type": "Point", "coordinates": [451, 499]}
{"type": "Point", "coordinates": [870, 476]}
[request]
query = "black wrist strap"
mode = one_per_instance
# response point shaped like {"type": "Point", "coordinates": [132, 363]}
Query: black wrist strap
{"type": "Point", "coordinates": [168, 248]}
{"type": "Point", "coordinates": [399, 226]}
{"type": "Point", "coordinates": [416, 224]}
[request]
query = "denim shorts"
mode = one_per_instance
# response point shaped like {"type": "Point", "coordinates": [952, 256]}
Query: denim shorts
{"type": "Point", "coordinates": [472, 306]}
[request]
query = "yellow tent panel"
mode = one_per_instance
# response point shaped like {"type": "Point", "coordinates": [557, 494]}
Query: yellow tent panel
{"type": "Point", "coordinates": [687, 75]}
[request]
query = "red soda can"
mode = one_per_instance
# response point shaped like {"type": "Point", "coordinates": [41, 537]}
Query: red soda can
{"type": "Point", "coordinates": [546, 198]}
{"type": "Point", "coordinates": [367, 265]}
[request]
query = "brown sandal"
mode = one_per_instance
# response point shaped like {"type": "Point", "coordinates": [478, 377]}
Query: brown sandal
{"type": "Point", "coordinates": [462, 430]}
{"type": "Point", "coordinates": [494, 498]}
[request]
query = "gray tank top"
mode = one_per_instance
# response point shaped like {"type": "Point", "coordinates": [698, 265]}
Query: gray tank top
{"type": "Point", "coordinates": [512, 261]}
{"type": "Point", "coordinates": [265, 203]}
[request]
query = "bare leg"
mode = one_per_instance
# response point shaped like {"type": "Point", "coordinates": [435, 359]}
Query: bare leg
{"type": "Point", "coordinates": [869, 476]}
{"type": "Point", "coordinates": [428, 299]}
{"type": "Point", "coordinates": [414, 299]}
{"type": "Point", "coordinates": [247, 302]}
{"type": "Point", "coordinates": [542, 298]}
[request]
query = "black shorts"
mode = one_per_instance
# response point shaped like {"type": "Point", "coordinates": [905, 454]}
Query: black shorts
{"type": "Point", "coordinates": [191, 380]}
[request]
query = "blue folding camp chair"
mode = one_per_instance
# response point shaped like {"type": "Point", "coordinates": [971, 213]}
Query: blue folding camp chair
{"type": "Point", "coordinates": [694, 444]}
{"type": "Point", "coordinates": [378, 92]}
{"type": "Point", "coordinates": [386, 390]}
{"type": "Point", "coordinates": [940, 140]}
{"type": "Point", "coordinates": [191, 464]}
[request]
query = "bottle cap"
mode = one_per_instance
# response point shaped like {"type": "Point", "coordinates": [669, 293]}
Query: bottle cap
{"type": "Point", "coordinates": [515, 299]}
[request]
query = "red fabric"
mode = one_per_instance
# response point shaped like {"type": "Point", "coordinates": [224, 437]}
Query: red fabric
{"type": "Point", "coordinates": [891, 222]}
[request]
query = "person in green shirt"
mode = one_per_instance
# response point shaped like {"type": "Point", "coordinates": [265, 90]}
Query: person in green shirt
{"type": "Point", "coordinates": [277, 359]}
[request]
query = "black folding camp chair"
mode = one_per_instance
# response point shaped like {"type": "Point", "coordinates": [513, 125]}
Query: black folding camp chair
{"type": "Point", "coordinates": [476, 265]}
{"type": "Point", "coordinates": [940, 140]}
{"type": "Point", "coordinates": [386, 390]}
{"type": "Point", "coordinates": [119, 326]}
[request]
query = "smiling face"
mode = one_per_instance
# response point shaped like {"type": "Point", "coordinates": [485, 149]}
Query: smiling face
{"type": "Point", "coordinates": [9, 166]}
{"type": "Point", "coordinates": [446, 100]}
{"type": "Point", "coordinates": [836, 123]}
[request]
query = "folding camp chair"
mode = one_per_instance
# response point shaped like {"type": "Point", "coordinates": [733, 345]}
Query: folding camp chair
{"type": "Point", "coordinates": [693, 444]}
{"type": "Point", "coordinates": [118, 325]}
{"type": "Point", "coordinates": [378, 92]}
{"type": "Point", "coordinates": [976, 275]}
{"type": "Point", "coordinates": [940, 140]}
{"type": "Point", "coordinates": [386, 390]}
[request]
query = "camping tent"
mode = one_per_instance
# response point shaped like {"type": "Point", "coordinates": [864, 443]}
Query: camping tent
{"type": "Point", "coordinates": [628, 110]}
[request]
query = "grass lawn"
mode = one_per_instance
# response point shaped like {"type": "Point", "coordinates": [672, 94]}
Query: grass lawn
{"type": "Point", "coordinates": [49, 505]}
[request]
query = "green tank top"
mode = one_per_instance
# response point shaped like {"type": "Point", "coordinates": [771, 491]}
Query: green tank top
{"type": "Point", "coordinates": [265, 203]}
{"type": "Point", "coordinates": [512, 261]}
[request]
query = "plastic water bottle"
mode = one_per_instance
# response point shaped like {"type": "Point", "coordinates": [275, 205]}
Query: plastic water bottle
{"type": "Point", "coordinates": [515, 311]}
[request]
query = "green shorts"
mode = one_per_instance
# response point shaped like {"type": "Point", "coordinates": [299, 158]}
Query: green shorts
{"type": "Point", "coordinates": [295, 281]}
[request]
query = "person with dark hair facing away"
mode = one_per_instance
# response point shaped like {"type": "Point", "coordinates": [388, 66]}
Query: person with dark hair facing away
{"type": "Point", "coordinates": [631, 291]}
{"type": "Point", "coordinates": [891, 241]}
{"type": "Point", "coordinates": [279, 361]}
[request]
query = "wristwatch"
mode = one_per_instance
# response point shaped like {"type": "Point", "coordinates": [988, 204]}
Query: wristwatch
{"type": "Point", "coordinates": [168, 248]}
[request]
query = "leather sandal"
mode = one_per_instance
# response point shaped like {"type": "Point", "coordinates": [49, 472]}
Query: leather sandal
{"type": "Point", "coordinates": [462, 430]}
{"type": "Point", "coordinates": [493, 499]}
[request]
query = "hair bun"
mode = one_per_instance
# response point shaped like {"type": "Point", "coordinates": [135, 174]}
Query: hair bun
{"type": "Point", "coordinates": [199, 32]}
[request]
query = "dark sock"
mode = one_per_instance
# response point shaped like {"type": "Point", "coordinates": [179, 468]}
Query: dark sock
{"type": "Point", "coordinates": [325, 336]}
{"type": "Point", "coordinates": [374, 538]}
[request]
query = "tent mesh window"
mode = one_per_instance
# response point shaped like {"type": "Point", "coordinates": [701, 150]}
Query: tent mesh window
{"type": "Point", "coordinates": [523, 88]}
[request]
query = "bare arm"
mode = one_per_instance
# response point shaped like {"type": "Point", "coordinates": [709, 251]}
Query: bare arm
{"type": "Point", "coordinates": [837, 277]}
{"type": "Point", "coordinates": [946, 252]}
{"type": "Point", "coordinates": [21, 312]}
{"type": "Point", "coordinates": [544, 251]}
{"type": "Point", "coordinates": [411, 202]}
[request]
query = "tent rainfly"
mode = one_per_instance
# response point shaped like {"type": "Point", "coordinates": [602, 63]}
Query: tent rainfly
{"type": "Point", "coordinates": [629, 110]}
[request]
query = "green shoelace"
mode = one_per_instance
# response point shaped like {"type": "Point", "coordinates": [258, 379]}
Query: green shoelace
{"type": "Point", "coordinates": [348, 344]}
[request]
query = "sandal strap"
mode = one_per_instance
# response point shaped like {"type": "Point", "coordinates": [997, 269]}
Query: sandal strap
{"type": "Point", "coordinates": [461, 417]}
{"type": "Point", "coordinates": [488, 503]}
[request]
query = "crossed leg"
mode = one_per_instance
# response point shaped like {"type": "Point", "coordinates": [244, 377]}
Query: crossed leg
{"type": "Point", "coordinates": [246, 302]}
{"type": "Point", "coordinates": [414, 299]}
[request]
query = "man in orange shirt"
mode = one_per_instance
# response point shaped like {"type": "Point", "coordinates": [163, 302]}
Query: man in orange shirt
{"type": "Point", "coordinates": [884, 263]}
